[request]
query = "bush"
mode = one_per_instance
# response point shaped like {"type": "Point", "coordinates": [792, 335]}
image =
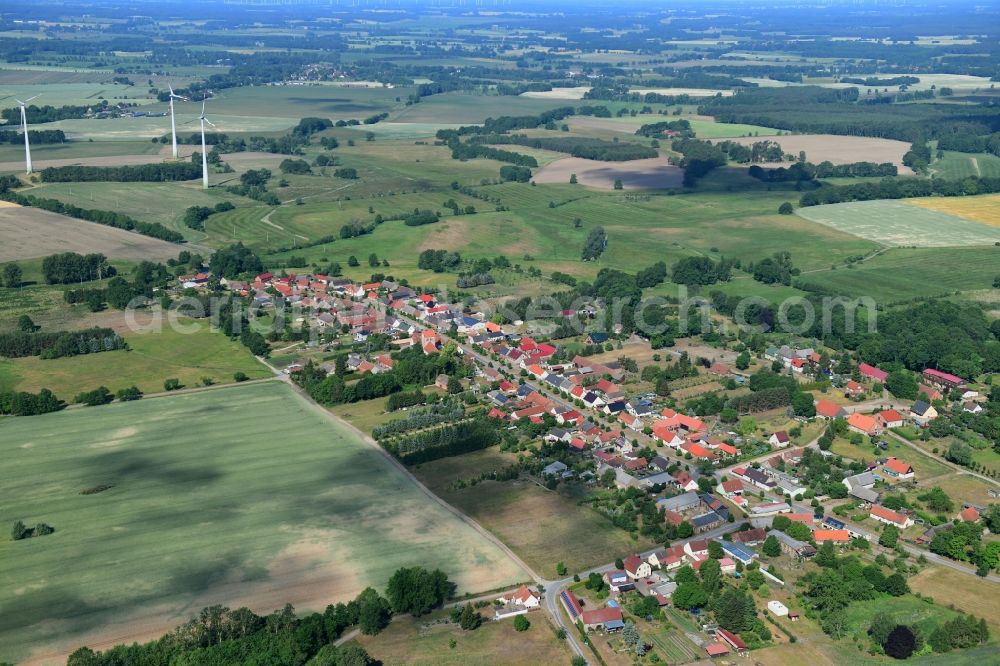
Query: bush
{"type": "Point", "coordinates": [521, 623]}
{"type": "Point", "coordinates": [99, 396]}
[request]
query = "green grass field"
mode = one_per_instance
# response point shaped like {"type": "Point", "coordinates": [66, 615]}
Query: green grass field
{"type": "Point", "coordinates": [904, 273]}
{"type": "Point", "coordinates": [955, 166]}
{"type": "Point", "coordinates": [150, 202]}
{"type": "Point", "coordinates": [58, 94]}
{"type": "Point", "coordinates": [893, 223]}
{"type": "Point", "coordinates": [152, 358]}
{"type": "Point", "coordinates": [240, 496]}
{"type": "Point", "coordinates": [80, 150]}
{"type": "Point", "coordinates": [472, 109]}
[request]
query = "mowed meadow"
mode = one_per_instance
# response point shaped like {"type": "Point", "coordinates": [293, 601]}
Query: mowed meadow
{"type": "Point", "coordinates": [240, 496]}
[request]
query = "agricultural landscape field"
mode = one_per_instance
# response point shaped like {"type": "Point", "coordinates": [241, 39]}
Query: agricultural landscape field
{"type": "Point", "coordinates": [248, 520]}
{"type": "Point", "coordinates": [426, 334]}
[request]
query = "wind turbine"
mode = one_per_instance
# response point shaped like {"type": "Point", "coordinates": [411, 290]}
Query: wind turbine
{"type": "Point", "coordinates": [173, 122]}
{"type": "Point", "coordinates": [24, 128]}
{"type": "Point", "coordinates": [204, 153]}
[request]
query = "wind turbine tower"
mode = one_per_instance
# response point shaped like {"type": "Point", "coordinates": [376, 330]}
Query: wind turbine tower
{"type": "Point", "coordinates": [204, 153]}
{"type": "Point", "coordinates": [173, 122]}
{"type": "Point", "coordinates": [24, 128]}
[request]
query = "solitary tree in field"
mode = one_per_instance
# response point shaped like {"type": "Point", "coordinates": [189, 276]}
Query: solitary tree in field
{"type": "Point", "coordinates": [901, 643]}
{"type": "Point", "coordinates": [12, 275]}
{"type": "Point", "coordinates": [618, 184]}
{"type": "Point", "coordinates": [785, 208]}
{"type": "Point", "coordinates": [572, 179]}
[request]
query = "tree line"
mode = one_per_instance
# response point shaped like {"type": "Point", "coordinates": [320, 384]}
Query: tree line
{"type": "Point", "coordinates": [467, 151]}
{"type": "Point", "coordinates": [140, 173]}
{"type": "Point", "coordinates": [900, 188]}
{"type": "Point", "coordinates": [71, 268]}
{"type": "Point", "coordinates": [22, 403]}
{"type": "Point", "coordinates": [57, 344]}
{"type": "Point", "coordinates": [805, 171]}
{"type": "Point", "coordinates": [445, 441]}
{"type": "Point", "coordinates": [816, 110]}
{"type": "Point", "coordinates": [220, 636]}
{"type": "Point", "coordinates": [48, 113]}
{"type": "Point", "coordinates": [36, 137]}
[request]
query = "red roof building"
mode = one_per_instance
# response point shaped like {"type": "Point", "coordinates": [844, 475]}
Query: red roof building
{"type": "Point", "coordinates": [836, 536]}
{"type": "Point", "coordinates": [872, 373]}
{"type": "Point", "coordinates": [890, 418]}
{"type": "Point", "coordinates": [969, 514]}
{"type": "Point", "coordinates": [827, 409]}
{"type": "Point", "coordinates": [735, 641]}
{"type": "Point", "coordinates": [942, 378]}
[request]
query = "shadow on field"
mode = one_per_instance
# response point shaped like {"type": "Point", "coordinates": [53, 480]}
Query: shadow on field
{"type": "Point", "coordinates": [195, 577]}
{"type": "Point", "coordinates": [120, 466]}
{"type": "Point", "coordinates": [44, 605]}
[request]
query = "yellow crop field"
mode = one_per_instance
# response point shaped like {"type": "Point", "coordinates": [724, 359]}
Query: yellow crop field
{"type": "Point", "coordinates": [984, 208]}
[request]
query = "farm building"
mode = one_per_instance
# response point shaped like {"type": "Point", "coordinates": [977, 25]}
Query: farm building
{"type": "Point", "coordinates": [864, 424]}
{"type": "Point", "coordinates": [793, 546]}
{"type": "Point", "coordinates": [571, 604]}
{"type": "Point", "coordinates": [738, 552]}
{"type": "Point", "coordinates": [826, 409]}
{"type": "Point", "coordinates": [608, 619]}
{"type": "Point", "coordinates": [778, 608]}
{"type": "Point", "coordinates": [872, 373]}
{"type": "Point", "coordinates": [889, 517]}
{"type": "Point", "coordinates": [942, 379]}
{"type": "Point", "coordinates": [890, 418]}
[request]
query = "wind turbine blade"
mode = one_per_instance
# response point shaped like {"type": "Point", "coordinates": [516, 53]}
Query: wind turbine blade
{"type": "Point", "coordinates": [209, 122]}
{"type": "Point", "coordinates": [202, 108]}
{"type": "Point", "coordinates": [171, 89]}
{"type": "Point", "coordinates": [19, 101]}
{"type": "Point", "coordinates": [31, 98]}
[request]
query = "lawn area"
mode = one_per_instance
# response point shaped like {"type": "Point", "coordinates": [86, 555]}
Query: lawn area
{"type": "Point", "coordinates": [966, 488]}
{"type": "Point", "coordinates": [949, 587]}
{"type": "Point", "coordinates": [816, 649]}
{"type": "Point", "coordinates": [907, 609]}
{"type": "Point", "coordinates": [366, 414]}
{"type": "Point", "coordinates": [924, 466]}
{"type": "Point", "coordinates": [426, 641]}
{"type": "Point", "coordinates": [240, 496]}
{"type": "Point", "coordinates": [152, 358]}
{"type": "Point", "coordinates": [535, 523]}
